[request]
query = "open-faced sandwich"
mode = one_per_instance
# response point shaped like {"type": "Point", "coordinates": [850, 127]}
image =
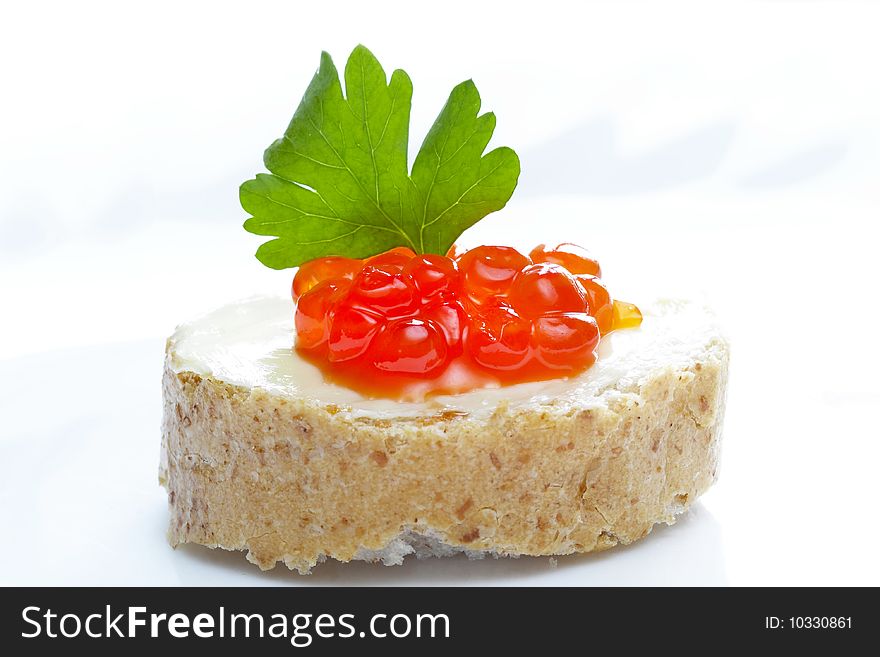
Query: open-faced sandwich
{"type": "Point", "coordinates": [414, 399]}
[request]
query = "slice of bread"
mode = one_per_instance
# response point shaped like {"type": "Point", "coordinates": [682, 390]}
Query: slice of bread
{"type": "Point", "coordinates": [259, 454]}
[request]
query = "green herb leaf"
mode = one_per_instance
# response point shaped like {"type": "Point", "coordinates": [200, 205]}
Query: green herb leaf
{"type": "Point", "coordinates": [339, 183]}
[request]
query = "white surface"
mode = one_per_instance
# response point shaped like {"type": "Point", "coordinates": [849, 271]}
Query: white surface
{"type": "Point", "coordinates": [730, 152]}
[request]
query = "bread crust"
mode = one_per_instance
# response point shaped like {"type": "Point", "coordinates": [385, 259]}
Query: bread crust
{"type": "Point", "coordinates": [297, 481]}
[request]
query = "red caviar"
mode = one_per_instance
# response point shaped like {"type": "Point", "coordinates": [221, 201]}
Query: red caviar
{"type": "Point", "coordinates": [488, 271]}
{"type": "Point", "coordinates": [399, 322]}
{"type": "Point", "coordinates": [322, 269]}
{"type": "Point", "coordinates": [574, 258]}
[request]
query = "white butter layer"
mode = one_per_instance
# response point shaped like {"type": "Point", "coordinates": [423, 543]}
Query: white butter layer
{"type": "Point", "coordinates": [250, 343]}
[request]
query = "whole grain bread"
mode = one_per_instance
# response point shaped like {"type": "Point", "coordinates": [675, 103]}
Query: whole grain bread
{"type": "Point", "coordinates": [298, 481]}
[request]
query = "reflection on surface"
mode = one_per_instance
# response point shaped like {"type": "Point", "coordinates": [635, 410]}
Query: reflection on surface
{"type": "Point", "coordinates": [688, 553]}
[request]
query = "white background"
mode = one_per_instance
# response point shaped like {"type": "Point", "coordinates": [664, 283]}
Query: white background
{"type": "Point", "coordinates": [729, 152]}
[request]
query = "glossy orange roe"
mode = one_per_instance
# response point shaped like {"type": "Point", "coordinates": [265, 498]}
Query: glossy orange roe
{"type": "Point", "coordinates": [405, 326]}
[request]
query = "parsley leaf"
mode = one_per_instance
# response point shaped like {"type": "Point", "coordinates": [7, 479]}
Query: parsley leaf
{"type": "Point", "coordinates": [339, 182]}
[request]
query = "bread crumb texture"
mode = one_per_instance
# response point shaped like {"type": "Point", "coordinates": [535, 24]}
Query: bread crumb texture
{"type": "Point", "coordinates": [296, 481]}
